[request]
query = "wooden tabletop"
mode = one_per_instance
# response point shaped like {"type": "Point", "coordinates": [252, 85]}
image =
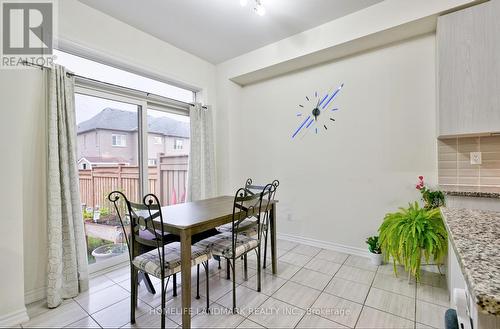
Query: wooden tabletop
{"type": "Point", "coordinates": [199, 216]}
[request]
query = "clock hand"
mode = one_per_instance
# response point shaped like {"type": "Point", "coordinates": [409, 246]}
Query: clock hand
{"type": "Point", "coordinates": [300, 127]}
{"type": "Point", "coordinates": [321, 102]}
{"type": "Point", "coordinates": [333, 96]}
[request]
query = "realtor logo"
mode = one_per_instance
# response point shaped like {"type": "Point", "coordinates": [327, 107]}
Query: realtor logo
{"type": "Point", "coordinates": [27, 31]}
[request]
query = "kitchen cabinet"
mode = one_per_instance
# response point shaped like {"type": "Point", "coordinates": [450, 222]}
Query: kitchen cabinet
{"type": "Point", "coordinates": [468, 70]}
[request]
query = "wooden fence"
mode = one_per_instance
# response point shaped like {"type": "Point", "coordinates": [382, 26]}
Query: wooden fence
{"type": "Point", "coordinates": [168, 180]}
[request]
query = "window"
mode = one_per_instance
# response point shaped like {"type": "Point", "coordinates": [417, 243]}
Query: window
{"type": "Point", "coordinates": [119, 140]}
{"type": "Point", "coordinates": [169, 179]}
{"type": "Point", "coordinates": [123, 138]}
{"type": "Point", "coordinates": [178, 144]}
{"type": "Point", "coordinates": [109, 74]}
{"type": "Point", "coordinates": [101, 168]}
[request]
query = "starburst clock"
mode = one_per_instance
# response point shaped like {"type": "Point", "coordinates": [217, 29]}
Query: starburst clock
{"type": "Point", "coordinates": [318, 119]}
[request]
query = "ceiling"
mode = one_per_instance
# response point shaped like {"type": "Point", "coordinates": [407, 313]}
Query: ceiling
{"type": "Point", "coordinates": [218, 30]}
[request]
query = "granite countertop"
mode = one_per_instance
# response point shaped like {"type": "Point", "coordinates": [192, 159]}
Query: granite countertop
{"type": "Point", "coordinates": [475, 237]}
{"type": "Point", "coordinates": [472, 191]}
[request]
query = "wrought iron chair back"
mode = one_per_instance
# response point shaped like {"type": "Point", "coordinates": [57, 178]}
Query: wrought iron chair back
{"type": "Point", "coordinates": [153, 206]}
{"type": "Point", "coordinates": [247, 205]}
{"type": "Point", "coordinates": [141, 218]}
{"type": "Point", "coordinates": [250, 188]}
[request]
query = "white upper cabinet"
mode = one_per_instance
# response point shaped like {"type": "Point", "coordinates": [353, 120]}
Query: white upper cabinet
{"type": "Point", "coordinates": [468, 57]}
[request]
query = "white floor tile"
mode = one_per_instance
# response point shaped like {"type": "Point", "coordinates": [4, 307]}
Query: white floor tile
{"type": "Point", "coordinates": [151, 320]}
{"type": "Point", "coordinates": [297, 294]}
{"type": "Point", "coordinates": [118, 315]}
{"type": "Point", "coordinates": [355, 274]}
{"type": "Point", "coordinates": [119, 275]}
{"type": "Point", "coordinates": [371, 318]}
{"type": "Point", "coordinates": [285, 270]}
{"type": "Point", "coordinates": [436, 295]}
{"type": "Point", "coordinates": [87, 322]}
{"type": "Point", "coordinates": [430, 314]}
{"type": "Point", "coordinates": [306, 250]}
{"type": "Point", "coordinates": [246, 300]}
{"type": "Point", "coordinates": [220, 317]}
{"type": "Point", "coordinates": [390, 302]}
{"type": "Point", "coordinates": [277, 314]}
{"type": "Point", "coordinates": [361, 262]}
{"type": "Point", "coordinates": [67, 313]}
{"type": "Point", "coordinates": [350, 290]}
{"type": "Point", "coordinates": [337, 309]}
{"type": "Point", "coordinates": [323, 266]}
{"type": "Point", "coordinates": [398, 285]}
{"type": "Point", "coordinates": [285, 245]}
{"type": "Point", "coordinates": [295, 259]}
{"type": "Point", "coordinates": [248, 324]}
{"type": "Point", "coordinates": [310, 278]}
{"type": "Point", "coordinates": [103, 298]}
{"type": "Point", "coordinates": [332, 256]}
{"type": "Point", "coordinates": [314, 321]}
{"type": "Point", "coordinates": [269, 284]}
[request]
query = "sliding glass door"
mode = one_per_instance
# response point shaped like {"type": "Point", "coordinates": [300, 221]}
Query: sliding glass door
{"type": "Point", "coordinates": [168, 152]}
{"type": "Point", "coordinates": [109, 159]}
{"type": "Point", "coordinates": [132, 136]}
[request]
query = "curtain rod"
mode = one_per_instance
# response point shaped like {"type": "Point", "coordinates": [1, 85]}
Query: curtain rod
{"type": "Point", "coordinates": [70, 74]}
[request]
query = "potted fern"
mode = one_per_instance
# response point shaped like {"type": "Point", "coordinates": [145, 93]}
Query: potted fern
{"type": "Point", "coordinates": [375, 250]}
{"type": "Point", "coordinates": [413, 233]}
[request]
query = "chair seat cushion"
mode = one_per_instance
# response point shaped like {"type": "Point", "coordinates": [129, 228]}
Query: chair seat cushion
{"type": "Point", "coordinates": [150, 261]}
{"type": "Point", "coordinates": [222, 244]}
{"type": "Point", "coordinates": [244, 225]}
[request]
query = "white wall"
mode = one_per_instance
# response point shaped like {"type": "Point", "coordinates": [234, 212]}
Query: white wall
{"type": "Point", "coordinates": [22, 105]}
{"type": "Point", "coordinates": [84, 27]}
{"type": "Point", "coordinates": [337, 186]}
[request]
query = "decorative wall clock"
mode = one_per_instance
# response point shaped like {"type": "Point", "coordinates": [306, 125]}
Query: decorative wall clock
{"type": "Point", "coordinates": [318, 118]}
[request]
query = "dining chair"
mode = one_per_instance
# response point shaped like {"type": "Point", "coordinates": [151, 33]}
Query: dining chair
{"type": "Point", "coordinates": [249, 225]}
{"type": "Point", "coordinates": [233, 245]}
{"type": "Point", "coordinates": [164, 261]}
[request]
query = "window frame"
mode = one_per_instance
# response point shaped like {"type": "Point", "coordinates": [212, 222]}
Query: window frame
{"type": "Point", "coordinates": [157, 140]}
{"type": "Point", "coordinates": [104, 91]}
{"type": "Point", "coordinates": [116, 137]}
{"type": "Point", "coordinates": [181, 144]}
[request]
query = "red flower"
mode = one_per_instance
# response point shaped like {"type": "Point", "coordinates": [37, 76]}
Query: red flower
{"type": "Point", "coordinates": [419, 186]}
{"type": "Point", "coordinates": [421, 178]}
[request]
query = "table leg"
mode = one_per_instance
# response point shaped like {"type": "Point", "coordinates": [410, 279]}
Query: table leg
{"type": "Point", "coordinates": [186, 278]}
{"type": "Point", "coordinates": [272, 222]}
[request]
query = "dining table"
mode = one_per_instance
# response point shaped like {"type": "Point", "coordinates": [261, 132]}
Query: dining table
{"type": "Point", "coordinates": [190, 218]}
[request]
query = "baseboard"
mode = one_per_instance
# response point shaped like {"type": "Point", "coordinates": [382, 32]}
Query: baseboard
{"type": "Point", "coordinates": [14, 318]}
{"type": "Point", "coordinates": [325, 245]}
{"type": "Point", "coordinates": [35, 295]}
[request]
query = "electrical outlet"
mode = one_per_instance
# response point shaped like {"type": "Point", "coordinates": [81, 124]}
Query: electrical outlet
{"type": "Point", "coordinates": [475, 158]}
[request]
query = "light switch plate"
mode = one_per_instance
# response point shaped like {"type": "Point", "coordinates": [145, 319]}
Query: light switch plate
{"type": "Point", "coordinates": [475, 158]}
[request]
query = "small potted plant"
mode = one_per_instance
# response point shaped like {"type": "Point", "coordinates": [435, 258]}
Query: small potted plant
{"type": "Point", "coordinates": [432, 199]}
{"type": "Point", "coordinates": [375, 250]}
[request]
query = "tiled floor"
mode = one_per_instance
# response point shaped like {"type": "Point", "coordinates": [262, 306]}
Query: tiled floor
{"type": "Point", "coordinates": [315, 288]}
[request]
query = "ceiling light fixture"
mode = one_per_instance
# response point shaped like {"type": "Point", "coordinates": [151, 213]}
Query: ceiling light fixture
{"type": "Point", "coordinates": [258, 6]}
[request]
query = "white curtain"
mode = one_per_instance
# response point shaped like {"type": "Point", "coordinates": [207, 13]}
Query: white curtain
{"type": "Point", "coordinates": [201, 172]}
{"type": "Point", "coordinates": [67, 272]}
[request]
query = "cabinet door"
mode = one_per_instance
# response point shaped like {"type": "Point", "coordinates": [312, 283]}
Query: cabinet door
{"type": "Point", "coordinates": [469, 70]}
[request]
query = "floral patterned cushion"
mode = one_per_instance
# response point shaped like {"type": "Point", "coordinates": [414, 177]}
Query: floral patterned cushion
{"type": "Point", "coordinates": [252, 230]}
{"type": "Point", "coordinates": [244, 225]}
{"type": "Point", "coordinates": [222, 244]}
{"type": "Point", "coordinates": [150, 261]}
